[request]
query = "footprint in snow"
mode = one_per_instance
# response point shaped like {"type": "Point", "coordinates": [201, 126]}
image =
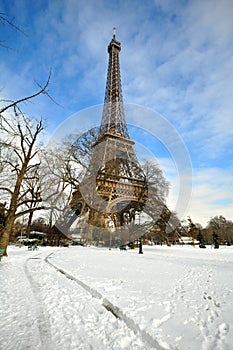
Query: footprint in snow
{"type": "Point", "coordinates": [223, 329]}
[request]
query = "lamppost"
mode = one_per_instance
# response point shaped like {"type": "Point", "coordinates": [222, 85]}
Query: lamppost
{"type": "Point", "coordinates": [139, 238]}
{"type": "Point", "coordinates": [111, 228]}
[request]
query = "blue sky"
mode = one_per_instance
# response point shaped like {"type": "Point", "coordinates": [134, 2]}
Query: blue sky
{"type": "Point", "coordinates": [176, 59]}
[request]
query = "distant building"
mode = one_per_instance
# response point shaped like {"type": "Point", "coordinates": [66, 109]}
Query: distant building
{"type": "Point", "coordinates": [38, 235]}
{"type": "Point", "coordinates": [187, 240]}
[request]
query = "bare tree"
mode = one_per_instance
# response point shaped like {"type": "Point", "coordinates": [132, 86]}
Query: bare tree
{"type": "Point", "coordinates": [217, 222]}
{"type": "Point", "coordinates": [65, 164]}
{"type": "Point", "coordinates": [33, 177]}
{"type": "Point", "coordinates": [19, 162]}
{"type": "Point", "coordinates": [57, 180]}
{"type": "Point", "coordinates": [155, 178]}
{"type": "Point", "coordinates": [222, 227]}
{"type": "Point", "coordinates": [19, 167]}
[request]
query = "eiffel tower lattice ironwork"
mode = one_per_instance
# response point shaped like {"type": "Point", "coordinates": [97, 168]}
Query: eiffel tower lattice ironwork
{"type": "Point", "coordinates": [115, 187]}
{"type": "Point", "coordinates": [115, 182]}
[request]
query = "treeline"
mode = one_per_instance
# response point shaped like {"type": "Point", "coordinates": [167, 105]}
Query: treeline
{"type": "Point", "coordinates": [218, 230]}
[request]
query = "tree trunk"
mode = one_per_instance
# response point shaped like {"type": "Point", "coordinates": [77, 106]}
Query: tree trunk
{"type": "Point", "coordinates": [10, 219]}
{"type": "Point", "coordinates": [5, 233]}
{"type": "Point", "coordinates": [29, 224]}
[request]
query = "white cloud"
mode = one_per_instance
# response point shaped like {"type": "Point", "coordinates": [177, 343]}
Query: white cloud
{"type": "Point", "coordinates": [212, 194]}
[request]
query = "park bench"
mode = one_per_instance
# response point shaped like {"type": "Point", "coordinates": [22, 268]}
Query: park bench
{"type": "Point", "coordinates": [1, 252]}
{"type": "Point", "coordinates": [32, 247]}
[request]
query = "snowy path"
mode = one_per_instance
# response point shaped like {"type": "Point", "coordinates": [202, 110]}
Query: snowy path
{"type": "Point", "coordinates": [42, 319]}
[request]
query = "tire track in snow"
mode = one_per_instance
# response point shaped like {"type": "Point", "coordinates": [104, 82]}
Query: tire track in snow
{"type": "Point", "coordinates": [116, 311]}
{"type": "Point", "coordinates": [78, 321]}
{"type": "Point", "coordinates": [42, 319]}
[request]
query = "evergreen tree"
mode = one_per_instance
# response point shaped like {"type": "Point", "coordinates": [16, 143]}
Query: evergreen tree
{"type": "Point", "coordinates": [200, 238]}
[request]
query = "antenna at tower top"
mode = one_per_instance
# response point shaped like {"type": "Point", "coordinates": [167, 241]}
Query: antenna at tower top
{"type": "Point", "coordinates": [114, 32]}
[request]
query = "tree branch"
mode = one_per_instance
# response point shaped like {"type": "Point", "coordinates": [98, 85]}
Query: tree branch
{"type": "Point", "coordinates": [27, 211]}
{"type": "Point", "coordinates": [41, 91]}
{"type": "Point", "coordinates": [6, 190]}
{"type": "Point", "coordinates": [4, 19]}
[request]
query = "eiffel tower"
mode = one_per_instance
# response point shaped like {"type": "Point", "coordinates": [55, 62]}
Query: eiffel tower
{"type": "Point", "coordinates": [115, 187]}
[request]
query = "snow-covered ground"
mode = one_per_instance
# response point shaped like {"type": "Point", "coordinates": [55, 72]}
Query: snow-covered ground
{"type": "Point", "coordinates": [94, 298]}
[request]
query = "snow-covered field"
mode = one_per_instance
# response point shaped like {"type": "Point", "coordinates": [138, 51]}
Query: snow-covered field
{"type": "Point", "coordinates": [93, 298]}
